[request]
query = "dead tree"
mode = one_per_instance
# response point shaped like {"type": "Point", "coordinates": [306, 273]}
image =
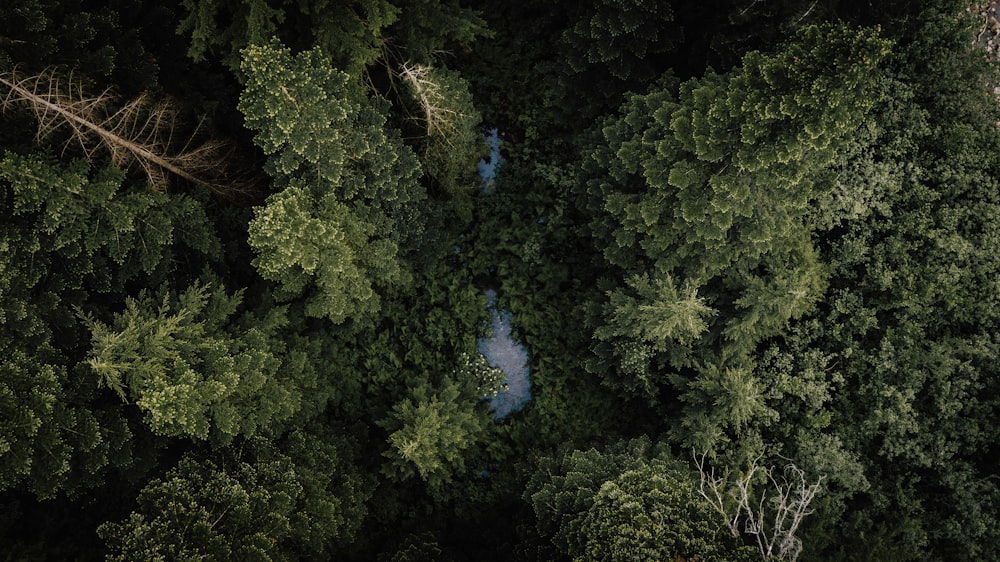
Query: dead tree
{"type": "Point", "coordinates": [771, 514]}
{"type": "Point", "coordinates": [141, 133]}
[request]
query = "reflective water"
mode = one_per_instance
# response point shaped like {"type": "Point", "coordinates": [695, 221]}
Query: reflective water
{"type": "Point", "coordinates": [501, 349]}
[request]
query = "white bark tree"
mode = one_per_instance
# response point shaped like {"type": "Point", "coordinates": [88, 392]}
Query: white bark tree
{"type": "Point", "coordinates": [771, 512]}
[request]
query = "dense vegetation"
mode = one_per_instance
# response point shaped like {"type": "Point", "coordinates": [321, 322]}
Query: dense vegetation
{"type": "Point", "coordinates": [750, 246]}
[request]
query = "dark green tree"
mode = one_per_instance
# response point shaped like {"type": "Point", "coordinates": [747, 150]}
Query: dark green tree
{"type": "Point", "coordinates": [629, 503]}
{"type": "Point", "coordinates": [294, 502]}
{"type": "Point", "coordinates": [100, 234]}
{"type": "Point", "coordinates": [895, 370]}
{"type": "Point", "coordinates": [353, 34]}
{"type": "Point", "coordinates": [52, 441]}
{"type": "Point", "coordinates": [624, 37]}
{"type": "Point", "coordinates": [706, 200]}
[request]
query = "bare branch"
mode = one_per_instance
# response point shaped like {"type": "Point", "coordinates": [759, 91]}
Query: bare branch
{"type": "Point", "coordinates": [439, 119]}
{"type": "Point", "coordinates": [773, 514]}
{"type": "Point", "coordinates": [139, 133]}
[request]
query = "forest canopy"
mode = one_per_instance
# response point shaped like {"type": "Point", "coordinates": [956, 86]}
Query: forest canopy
{"type": "Point", "coordinates": [742, 253]}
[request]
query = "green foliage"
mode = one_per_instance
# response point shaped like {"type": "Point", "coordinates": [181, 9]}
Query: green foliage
{"type": "Point", "coordinates": [347, 31]}
{"type": "Point", "coordinates": [100, 235]}
{"type": "Point", "coordinates": [49, 439]}
{"type": "Point", "coordinates": [190, 370]}
{"type": "Point", "coordinates": [417, 337]}
{"type": "Point", "coordinates": [199, 510]}
{"type": "Point", "coordinates": [671, 315]}
{"type": "Point", "coordinates": [474, 371]}
{"type": "Point", "coordinates": [427, 29]}
{"type": "Point", "coordinates": [897, 366]}
{"type": "Point", "coordinates": [272, 506]}
{"type": "Point", "coordinates": [627, 503]}
{"type": "Point", "coordinates": [624, 36]}
{"type": "Point", "coordinates": [73, 239]}
{"type": "Point", "coordinates": [430, 431]}
{"type": "Point", "coordinates": [707, 197]}
{"type": "Point", "coordinates": [793, 256]}
{"type": "Point", "coordinates": [71, 33]}
{"type": "Point", "coordinates": [417, 548]}
{"type": "Point", "coordinates": [30, 397]}
{"type": "Point", "coordinates": [354, 34]}
{"type": "Point", "coordinates": [334, 231]}
{"type": "Point", "coordinates": [302, 242]}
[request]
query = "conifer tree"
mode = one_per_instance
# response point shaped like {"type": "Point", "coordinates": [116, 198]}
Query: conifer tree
{"type": "Point", "coordinates": [430, 431]}
{"type": "Point", "coordinates": [623, 36]}
{"type": "Point", "coordinates": [706, 197]}
{"type": "Point", "coordinates": [333, 232]}
{"type": "Point", "coordinates": [628, 503]}
{"type": "Point", "coordinates": [191, 371]}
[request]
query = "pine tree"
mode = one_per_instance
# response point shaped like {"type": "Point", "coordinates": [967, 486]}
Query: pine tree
{"type": "Point", "coordinates": [430, 431]}
{"type": "Point", "coordinates": [348, 185]}
{"type": "Point", "coordinates": [629, 503]}
{"type": "Point", "coordinates": [625, 37]}
{"type": "Point", "coordinates": [190, 371]}
{"type": "Point", "coordinates": [706, 196]}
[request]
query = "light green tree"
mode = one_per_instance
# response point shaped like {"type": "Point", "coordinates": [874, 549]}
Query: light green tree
{"type": "Point", "coordinates": [348, 185]}
{"type": "Point", "coordinates": [430, 431]}
{"type": "Point", "coordinates": [73, 238]}
{"type": "Point", "coordinates": [191, 370]}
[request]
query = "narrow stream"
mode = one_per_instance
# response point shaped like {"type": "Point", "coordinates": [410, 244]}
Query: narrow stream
{"type": "Point", "coordinates": [501, 350]}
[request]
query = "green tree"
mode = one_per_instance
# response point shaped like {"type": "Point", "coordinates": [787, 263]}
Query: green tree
{"type": "Point", "coordinates": [896, 369]}
{"type": "Point", "coordinates": [624, 37]}
{"type": "Point", "coordinates": [37, 35]}
{"type": "Point", "coordinates": [347, 31]}
{"type": "Point", "coordinates": [101, 234]}
{"type": "Point", "coordinates": [704, 204]}
{"type": "Point", "coordinates": [52, 440]}
{"type": "Point", "coordinates": [292, 501]}
{"type": "Point", "coordinates": [430, 431]}
{"type": "Point", "coordinates": [629, 503]}
{"type": "Point", "coordinates": [353, 34]}
{"type": "Point", "coordinates": [347, 185]}
{"type": "Point", "coordinates": [191, 370]}
{"type": "Point", "coordinates": [73, 239]}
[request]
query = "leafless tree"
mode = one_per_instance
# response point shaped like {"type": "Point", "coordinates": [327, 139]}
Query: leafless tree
{"type": "Point", "coordinates": [439, 118]}
{"type": "Point", "coordinates": [772, 514]}
{"type": "Point", "coordinates": [140, 133]}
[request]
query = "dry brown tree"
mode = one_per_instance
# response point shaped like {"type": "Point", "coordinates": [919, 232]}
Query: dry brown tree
{"type": "Point", "coordinates": [141, 133]}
